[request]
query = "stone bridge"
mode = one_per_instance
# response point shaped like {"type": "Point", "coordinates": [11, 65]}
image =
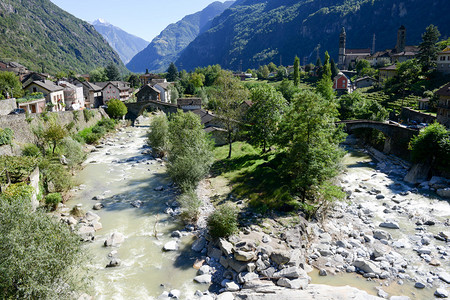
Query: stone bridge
{"type": "Point", "coordinates": [136, 109]}
{"type": "Point", "coordinates": [397, 136]}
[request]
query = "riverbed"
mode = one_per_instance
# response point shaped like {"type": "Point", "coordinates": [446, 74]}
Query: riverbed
{"type": "Point", "coordinates": [119, 174]}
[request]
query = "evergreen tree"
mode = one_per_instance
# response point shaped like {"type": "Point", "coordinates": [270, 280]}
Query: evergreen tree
{"type": "Point", "coordinates": [296, 71]}
{"type": "Point", "coordinates": [325, 84]}
{"type": "Point", "coordinates": [428, 49]}
{"type": "Point", "coordinates": [319, 67]}
{"type": "Point", "coordinates": [172, 72]}
{"type": "Point", "coordinates": [112, 72]}
{"type": "Point", "coordinates": [334, 69]}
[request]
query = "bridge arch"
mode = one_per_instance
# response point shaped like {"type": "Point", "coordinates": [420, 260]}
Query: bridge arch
{"type": "Point", "coordinates": [397, 136]}
{"type": "Point", "coordinates": [136, 109]}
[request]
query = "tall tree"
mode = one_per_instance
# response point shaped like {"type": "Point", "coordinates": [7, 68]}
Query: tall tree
{"type": "Point", "coordinates": [228, 99]}
{"type": "Point", "coordinates": [112, 72]}
{"type": "Point", "coordinates": [428, 49]}
{"type": "Point", "coordinates": [265, 114]}
{"type": "Point", "coordinates": [296, 71]}
{"type": "Point", "coordinates": [309, 135]}
{"type": "Point", "coordinates": [334, 68]}
{"type": "Point", "coordinates": [172, 72]}
{"type": "Point", "coordinates": [98, 75]}
{"type": "Point", "coordinates": [325, 84]}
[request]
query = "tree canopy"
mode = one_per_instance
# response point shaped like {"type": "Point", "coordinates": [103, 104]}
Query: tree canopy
{"type": "Point", "coordinates": [428, 49]}
{"type": "Point", "coordinates": [10, 85]}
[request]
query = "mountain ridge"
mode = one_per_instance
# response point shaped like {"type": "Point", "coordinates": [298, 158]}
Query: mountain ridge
{"type": "Point", "coordinates": [166, 47]}
{"type": "Point", "coordinates": [126, 44]}
{"type": "Point", "coordinates": [43, 37]}
{"type": "Point", "coordinates": [259, 32]}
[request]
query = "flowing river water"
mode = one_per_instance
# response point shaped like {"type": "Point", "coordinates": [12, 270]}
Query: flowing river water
{"type": "Point", "coordinates": [121, 174]}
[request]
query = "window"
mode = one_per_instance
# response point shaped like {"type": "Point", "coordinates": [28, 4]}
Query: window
{"type": "Point", "coordinates": [34, 90]}
{"type": "Point", "coordinates": [442, 58]}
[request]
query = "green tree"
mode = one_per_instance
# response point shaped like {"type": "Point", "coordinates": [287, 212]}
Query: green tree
{"type": "Point", "coordinates": [40, 257]}
{"type": "Point", "coordinates": [272, 67]}
{"type": "Point", "coordinates": [73, 151]}
{"type": "Point", "coordinates": [432, 146]}
{"type": "Point", "coordinates": [356, 106]}
{"type": "Point", "coordinates": [10, 85]}
{"type": "Point", "coordinates": [158, 136]}
{"type": "Point", "coordinates": [334, 68]}
{"type": "Point", "coordinates": [428, 49]}
{"type": "Point", "coordinates": [311, 139]}
{"type": "Point", "coordinates": [288, 89]}
{"type": "Point", "coordinates": [172, 72]}
{"type": "Point", "coordinates": [112, 72]}
{"type": "Point", "coordinates": [190, 150]}
{"type": "Point", "coordinates": [263, 72]}
{"type": "Point", "coordinates": [197, 79]}
{"type": "Point", "coordinates": [98, 75]}
{"type": "Point", "coordinates": [227, 98]}
{"type": "Point", "coordinates": [296, 71]}
{"type": "Point", "coordinates": [325, 84]}
{"type": "Point", "coordinates": [134, 80]}
{"type": "Point", "coordinates": [54, 133]}
{"type": "Point", "coordinates": [116, 109]}
{"type": "Point", "coordinates": [264, 115]}
{"type": "Point", "coordinates": [361, 65]}
{"type": "Point", "coordinates": [408, 72]}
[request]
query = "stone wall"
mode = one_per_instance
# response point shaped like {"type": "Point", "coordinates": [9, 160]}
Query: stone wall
{"type": "Point", "coordinates": [6, 106]}
{"type": "Point", "coordinates": [409, 114]}
{"type": "Point", "coordinates": [23, 127]}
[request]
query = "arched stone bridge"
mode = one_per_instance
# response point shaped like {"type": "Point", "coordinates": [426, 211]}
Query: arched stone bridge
{"type": "Point", "coordinates": [397, 137]}
{"type": "Point", "coordinates": [136, 109]}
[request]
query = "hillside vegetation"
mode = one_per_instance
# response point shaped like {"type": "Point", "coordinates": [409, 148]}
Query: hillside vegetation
{"type": "Point", "coordinates": [254, 32]}
{"type": "Point", "coordinates": [41, 36]}
{"type": "Point", "coordinates": [166, 47]}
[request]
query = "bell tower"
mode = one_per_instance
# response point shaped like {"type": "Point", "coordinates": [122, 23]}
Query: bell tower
{"type": "Point", "coordinates": [401, 39]}
{"type": "Point", "coordinates": [342, 41]}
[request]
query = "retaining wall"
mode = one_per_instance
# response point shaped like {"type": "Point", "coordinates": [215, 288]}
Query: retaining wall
{"type": "Point", "coordinates": [6, 106]}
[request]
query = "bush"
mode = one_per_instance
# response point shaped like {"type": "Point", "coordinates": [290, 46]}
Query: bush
{"type": "Point", "coordinates": [92, 138]}
{"type": "Point", "coordinates": [73, 151]}
{"type": "Point", "coordinates": [158, 136]}
{"type": "Point", "coordinates": [6, 136]}
{"type": "Point", "coordinates": [223, 222]}
{"type": "Point", "coordinates": [116, 109]}
{"type": "Point", "coordinates": [31, 150]}
{"type": "Point", "coordinates": [109, 124]}
{"type": "Point", "coordinates": [56, 178]}
{"type": "Point", "coordinates": [88, 114]}
{"type": "Point", "coordinates": [41, 258]}
{"type": "Point", "coordinates": [52, 200]}
{"type": "Point", "coordinates": [190, 207]}
{"type": "Point", "coordinates": [100, 130]}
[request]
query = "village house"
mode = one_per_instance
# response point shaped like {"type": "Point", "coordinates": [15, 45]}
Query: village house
{"type": "Point", "coordinates": [364, 82]}
{"type": "Point", "coordinates": [163, 87]}
{"type": "Point", "coordinates": [54, 94]}
{"type": "Point", "coordinates": [212, 126]}
{"type": "Point", "coordinates": [73, 96]}
{"type": "Point", "coordinates": [189, 103]}
{"type": "Point", "coordinates": [115, 90]}
{"type": "Point", "coordinates": [147, 78]}
{"type": "Point", "coordinates": [341, 84]}
{"type": "Point", "coordinates": [443, 107]}
{"type": "Point", "coordinates": [147, 93]}
{"type": "Point", "coordinates": [14, 67]}
{"type": "Point", "coordinates": [92, 93]}
{"type": "Point", "coordinates": [387, 73]}
{"type": "Point", "coordinates": [33, 76]}
{"type": "Point", "coordinates": [443, 61]}
{"type": "Point", "coordinates": [424, 104]}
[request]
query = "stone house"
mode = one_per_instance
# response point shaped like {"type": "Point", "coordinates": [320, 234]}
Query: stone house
{"type": "Point", "coordinates": [163, 87]}
{"type": "Point", "coordinates": [73, 96]}
{"type": "Point", "coordinates": [443, 107]}
{"type": "Point", "coordinates": [147, 78]}
{"type": "Point", "coordinates": [387, 73]}
{"type": "Point", "coordinates": [364, 82]}
{"type": "Point", "coordinates": [213, 126]}
{"type": "Point", "coordinates": [115, 90]}
{"type": "Point", "coordinates": [424, 104]}
{"type": "Point", "coordinates": [443, 61]}
{"type": "Point", "coordinates": [92, 93]}
{"type": "Point", "coordinates": [14, 67]}
{"type": "Point", "coordinates": [54, 94]}
{"type": "Point", "coordinates": [189, 103]}
{"type": "Point", "coordinates": [147, 92]}
{"type": "Point", "coordinates": [32, 106]}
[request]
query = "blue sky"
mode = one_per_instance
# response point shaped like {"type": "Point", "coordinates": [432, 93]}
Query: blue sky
{"type": "Point", "coordinates": [143, 18]}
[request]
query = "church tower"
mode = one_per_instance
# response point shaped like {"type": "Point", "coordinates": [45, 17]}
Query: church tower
{"type": "Point", "coordinates": [401, 39]}
{"type": "Point", "coordinates": [342, 40]}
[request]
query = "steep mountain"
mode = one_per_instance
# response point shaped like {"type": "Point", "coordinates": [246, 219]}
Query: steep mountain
{"type": "Point", "coordinates": [166, 47]}
{"type": "Point", "coordinates": [40, 35]}
{"type": "Point", "coordinates": [125, 44]}
{"type": "Point", "coordinates": [256, 32]}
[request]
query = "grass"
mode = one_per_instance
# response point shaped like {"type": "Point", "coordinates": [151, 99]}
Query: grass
{"type": "Point", "coordinates": [253, 176]}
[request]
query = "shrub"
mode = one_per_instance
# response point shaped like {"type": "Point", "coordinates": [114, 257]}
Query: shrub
{"type": "Point", "coordinates": [158, 136]}
{"type": "Point", "coordinates": [56, 178]}
{"type": "Point", "coordinates": [52, 200]}
{"type": "Point", "coordinates": [88, 114]}
{"type": "Point", "coordinates": [100, 130]}
{"type": "Point", "coordinates": [31, 150]}
{"type": "Point", "coordinates": [116, 109]}
{"type": "Point", "coordinates": [190, 207]}
{"type": "Point", "coordinates": [109, 124]}
{"type": "Point", "coordinates": [41, 258]}
{"type": "Point", "coordinates": [76, 115]}
{"type": "Point", "coordinates": [6, 136]}
{"type": "Point", "coordinates": [92, 138]}
{"type": "Point", "coordinates": [73, 151]}
{"type": "Point", "coordinates": [223, 222]}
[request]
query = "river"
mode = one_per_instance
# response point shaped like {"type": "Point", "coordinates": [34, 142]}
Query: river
{"type": "Point", "coordinates": [121, 174]}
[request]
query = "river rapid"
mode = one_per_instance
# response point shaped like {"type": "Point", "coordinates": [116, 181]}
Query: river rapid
{"type": "Point", "coordinates": [120, 174]}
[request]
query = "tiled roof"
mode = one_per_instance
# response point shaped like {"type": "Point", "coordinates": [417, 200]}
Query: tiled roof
{"type": "Point", "coordinates": [357, 51]}
{"type": "Point", "coordinates": [47, 85]}
{"type": "Point", "coordinates": [444, 91]}
{"type": "Point", "coordinates": [189, 101]}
